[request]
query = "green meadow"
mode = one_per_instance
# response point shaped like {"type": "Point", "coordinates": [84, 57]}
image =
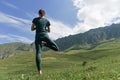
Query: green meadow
{"type": "Point", "coordinates": [99, 63]}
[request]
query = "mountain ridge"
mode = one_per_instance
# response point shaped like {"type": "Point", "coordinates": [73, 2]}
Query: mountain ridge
{"type": "Point", "coordinates": [91, 37]}
{"type": "Point", "coordinates": [87, 40]}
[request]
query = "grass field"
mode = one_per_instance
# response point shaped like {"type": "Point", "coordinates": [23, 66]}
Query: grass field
{"type": "Point", "coordinates": [100, 63]}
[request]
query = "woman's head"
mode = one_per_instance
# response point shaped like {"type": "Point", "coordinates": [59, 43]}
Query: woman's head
{"type": "Point", "coordinates": [41, 12]}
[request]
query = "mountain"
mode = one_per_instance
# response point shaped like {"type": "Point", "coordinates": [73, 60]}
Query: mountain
{"type": "Point", "coordinates": [87, 40]}
{"type": "Point", "coordinates": [90, 38]}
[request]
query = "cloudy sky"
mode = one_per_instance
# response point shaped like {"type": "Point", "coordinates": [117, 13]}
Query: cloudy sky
{"type": "Point", "coordinates": [66, 17]}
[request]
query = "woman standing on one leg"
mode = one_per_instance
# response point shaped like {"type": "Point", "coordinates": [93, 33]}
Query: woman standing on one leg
{"type": "Point", "coordinates": [42, 27]}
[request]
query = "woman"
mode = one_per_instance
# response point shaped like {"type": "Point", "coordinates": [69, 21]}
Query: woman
{"type": "Point", "coordinates": [42, 27]}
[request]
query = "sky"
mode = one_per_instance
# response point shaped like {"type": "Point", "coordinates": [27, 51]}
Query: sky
{"type": "Point", "coordinates": [67, 17]}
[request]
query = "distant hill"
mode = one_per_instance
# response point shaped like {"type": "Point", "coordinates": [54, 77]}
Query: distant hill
{"type": "Point", "coordinates": [90, 38]}
{"type": "Point", "coordinates": [10, 49]}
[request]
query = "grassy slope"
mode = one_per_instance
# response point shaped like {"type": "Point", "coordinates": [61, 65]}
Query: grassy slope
{"type": "Point", "coordinates": [102, 64]}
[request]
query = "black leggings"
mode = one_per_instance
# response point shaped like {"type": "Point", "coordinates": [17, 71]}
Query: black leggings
{"type": "Point", "coordinates": [38, 44]}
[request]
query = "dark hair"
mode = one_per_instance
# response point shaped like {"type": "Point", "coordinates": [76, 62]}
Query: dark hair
{"type": "Point", "coordinates": [41, 12]}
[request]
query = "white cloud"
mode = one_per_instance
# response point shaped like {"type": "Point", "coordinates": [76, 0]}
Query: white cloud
{"type": "Point", "coordinates": [30, 14]}
{"type": "Point", "coordinates": [3, 36]}
{"type": "Point", "coordinates": [21, 39]}
{"type": "Point", "coordinates": [10, 5]}
{"type": "Point", "coordinates": [14, 38]}
{"type": "Point", "coordinates": [96, 13]}
{"type": "Point", "coordinates": [15, 22]}
{"type": "Point", "coordinates": [92, 13]}
{"type": "Point", "coordinates": [58, 29]}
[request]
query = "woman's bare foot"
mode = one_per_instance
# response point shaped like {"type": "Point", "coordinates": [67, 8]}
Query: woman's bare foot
{"type": "Point", "coordinates": [40, 72]}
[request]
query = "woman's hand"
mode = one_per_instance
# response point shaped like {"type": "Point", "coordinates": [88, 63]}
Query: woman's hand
{"type": "Point", "coordinates": [33, 27]}
{"type": "Point", "coordinates": [48, 29]}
